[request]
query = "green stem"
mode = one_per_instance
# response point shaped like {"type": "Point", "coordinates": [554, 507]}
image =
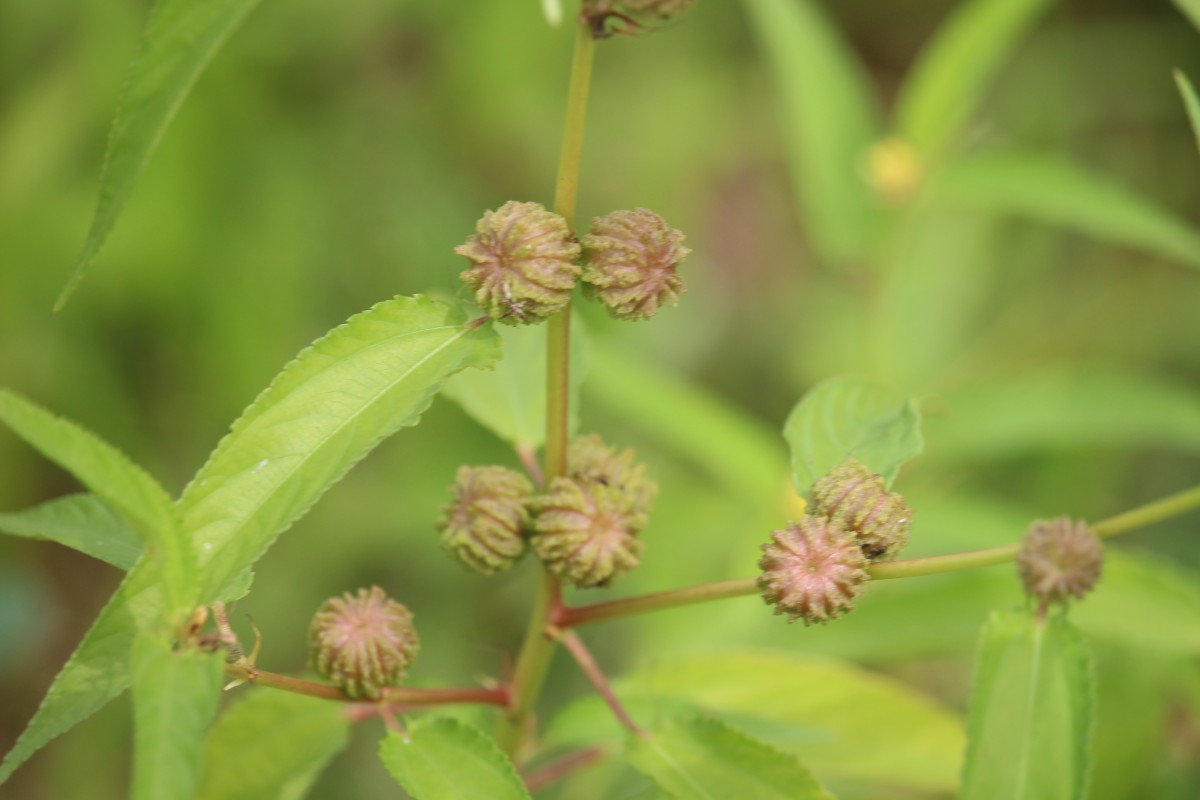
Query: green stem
{"type": "Point", "coordinates": [393, 695]}
{"type": "Point", "coordinates": [1133, 519]}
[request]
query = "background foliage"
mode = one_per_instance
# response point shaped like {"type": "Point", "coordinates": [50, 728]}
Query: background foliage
{"type": "Point", "coordinates": [331, 158]}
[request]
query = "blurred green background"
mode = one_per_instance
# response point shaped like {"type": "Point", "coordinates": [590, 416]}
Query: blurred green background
{"type": "Point", "coordinates": [333, 157]}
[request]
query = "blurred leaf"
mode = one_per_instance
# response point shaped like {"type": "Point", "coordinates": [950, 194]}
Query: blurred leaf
{"type": "Point", "coordinates": [181, 38]}
{"type": "Point", "coordinates": [1188, 93]}
{"type": "Point", "coordinates": [696, 758]}
{"type": "Point", "coordinates": [271, 745]}
{"type": "Point", "coordinates": [851, 416]}
{"type": "Point", "coordinates": [831, 122]}
{"type": "Point", "coordinates": [1031, 711]}
{"type": "Point", "coordinates": [1037, 410]}
{"type": "Point", "coordinates": [733, 448]}
{"type": "Point", "coordinates": [954, 70]}
{"type": "Point", "coordinates": [1054, 191]}
{"type": "Point", "coordinates": [1191, 8]}
{"type": "Point", "coordinates": [97, 671]}
{"type": "Point", "coordinates": [81, 522]}
{"type": "Point", "coordinates": [444, 758]}
{"type": "Point", "coordinates": [859, 726]}
{"type": "Point", "coordinates": [117, 481]}
{"type": "Point", "coordinates": [327, 409]}
{"type": "Point", "coordinates": [175, 697]}
{"type": "Point", "coordinates": [510, 399]}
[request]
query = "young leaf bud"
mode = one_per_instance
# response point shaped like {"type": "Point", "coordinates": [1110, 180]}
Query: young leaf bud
{"type": "Point", "coordinates": [363, 643]}
{"type": "Point", "coordinates": [484, 527]}
{"type": "Point", "coordinates": [523, 259]}
{"type": "Point", "coordinates": [630, 258]}
{"type": "Point", "coordinates": [812, 570]}
{"type": "Point", "coordinates": [858, 500]}
{"type": "Point", "coordinates": [1059, 559]}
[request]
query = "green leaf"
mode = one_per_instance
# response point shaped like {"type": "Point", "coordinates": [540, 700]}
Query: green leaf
{"type": "Point", "coordinates": [117, 481]}
{"type": "Point", "coordinates": [271, 745]}
{"type": "Point", "coordinates": [954, 70]}
{"type": "Point", "coordinates": [324, 412]}
{"type": "Point", "coordinates": [851, 416]}
{"type": "Point", "coordinates": [81, 522]}
{"type": "Point", "coordinates": [97, 671]}
{"type": "Point", "coordinates": [1055, 191]}
{"type": "Point", "coordinates": [1191, 8]}
{"type": "Point", "coordinates": [831, 122]}
{"type": "Point", "coordinates": [859, 727]}
{"type": "Point", "coordinates": [1031, 711]}
{"type": "Point", "coordinates": [175, 695]}
{"type": "Point", "coordinates": [700, 758]}
{"type": "Point", "coordinates": [510, 399]}
{"type": "Point", "coordinates": [1040, 410]}
{"type": "Point", "coordinates": [444, 758]}
{"type": "Point", "coordinates": [553, 12]}
{"type": "Point", "coordinates": [1188, 93]}
{"type": "Point", "coordinates": [181, 38]}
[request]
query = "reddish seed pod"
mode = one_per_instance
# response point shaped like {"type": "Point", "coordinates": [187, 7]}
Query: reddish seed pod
{"type": "Point", "coordinates": [363, 642]}
{"type": "Point", "coordinates": [812, 570]}
{"type": "Point", "coordinates": [1059, 559]}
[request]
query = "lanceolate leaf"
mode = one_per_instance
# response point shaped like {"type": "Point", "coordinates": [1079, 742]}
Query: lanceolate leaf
{"type": "Point", "coordinates": [939, 96]}
{"type": "Point", "coordinates": [1031, 711]}
{"type": "Point", "coordinates": [700, 758]}
{"type": "Point", "coordinates": [1188, 93]}
{"type": "Point", "coordinates": [271, 745]}
{"type": "Point", "coordinates": [174, 698]}
{"type": "Point", "coordinates": [97, 671]}
{"type": "Point", "coordinates": [80, 522]}
{"type": "Point", "coordinates": [181, 38]}
{"type": "Point", "coordinates": [851, 416]}
{"type": "Point", "coordinates": [444, 758]}
{"type": "Point", "coordinates": [121, 484]}
{"type": "Point", "coordinates": [326, 410]}
{"type": "Point", "coordinates": [830, 122]}
{"type": "Point", "coordinates": [1054, 191]}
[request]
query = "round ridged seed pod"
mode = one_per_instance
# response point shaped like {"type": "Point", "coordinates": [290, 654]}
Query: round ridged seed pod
{"type": "Point", "coordinates": [630, 258]}
{"type": "Point", "coordinates": [589, 459]}
{"type": "Point", "coordinates": [484, 527]}
{"type": "Point", "coordinates": [858, 500]}
{"type": "Point", "coordinates": [523, 263]}
{"type": "Point", "coordinates": [1059, 559]}
{"type": "Point", "coordinates": [812, 570]}
{"type": "Point", "coordinates": [363, 643]}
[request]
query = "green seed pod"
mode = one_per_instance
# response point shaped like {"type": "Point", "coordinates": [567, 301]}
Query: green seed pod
{"type": "Point", "coordinates": [1059, 559]}
{"type": "Point", "coordinates": [858, 500]}
{"type": "Point", "coordinates": [630, 258]}
{"type": "Point", "coordinates": [812, 570]}
{"type": "Point", "coordinates": [363, 643]}
{"type": "Point", "coordinates": [523, 259]}
{"type": "Point", "coordinates": [484, 527]}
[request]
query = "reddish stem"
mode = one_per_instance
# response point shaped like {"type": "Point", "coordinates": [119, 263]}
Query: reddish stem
{"type": "Point", "coordinates": [578, 650]}
{"type": "Point", "coordinates": [542, 777]}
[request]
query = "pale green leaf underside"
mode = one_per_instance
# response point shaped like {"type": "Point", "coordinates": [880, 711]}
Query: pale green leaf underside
{"type": "Point", "coordinates": [851, 416]}
{"type": "Point", "coordinates": [954, 70]}
{"type": "Point", "coordinates": [181, 38]}
{"type": "Point", "coordinates": [700, 758]}
{"type": "Point", "coordinates": [324, 412]}
{"type": "Point", "coordinates": [81, 522]}
{"type": "Point", "coordinates": [1031, 711]}
{"type": "Point", "coordinates": [1190, 102]}
{"type": "Point", "coordinates": [830, 123]}
{"type": "Point", "coordinates": [1054, 191]}
{"type": "Point", "coordinates": [857, 726]}
{"type": "Point", "coordinates": [444, 758]}
{"type": "Point", "coordinates": [271, 745]}
{"type": "Point", "coordinates": [175, 697]}
{"type": "Point", "coordinates": [510, 399]}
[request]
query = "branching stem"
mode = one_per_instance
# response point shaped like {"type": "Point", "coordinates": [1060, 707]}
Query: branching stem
{"type": "Point", "coordinates": [409, 697]}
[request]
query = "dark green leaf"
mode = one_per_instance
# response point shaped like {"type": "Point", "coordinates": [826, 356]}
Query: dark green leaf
{"type": "Point", "coordinates": [324, 412]}
{"type": "Point", "coordinates": [851, 416]}
{"type": "Point", "coordinates": [175, 696]}
{"type": "Point", "coordinates": [1031, 711]}
{"type": "Point", "coordinates": [700, 758]}
{"type": "Point", "coordinates": [81, 522]}
{"type": "Point", "coordinates": [271, 745]}
{"type": "Point", "coordinates": [443, 758]}
{"type": "Point", "coordinates": [831, 122]}
{"type": "Point", "coordinates": [181, 38]}
{"type": "Point", "coordinates": [953, 73]}
{"type": "Point", "coordinates": [1188, 93]}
